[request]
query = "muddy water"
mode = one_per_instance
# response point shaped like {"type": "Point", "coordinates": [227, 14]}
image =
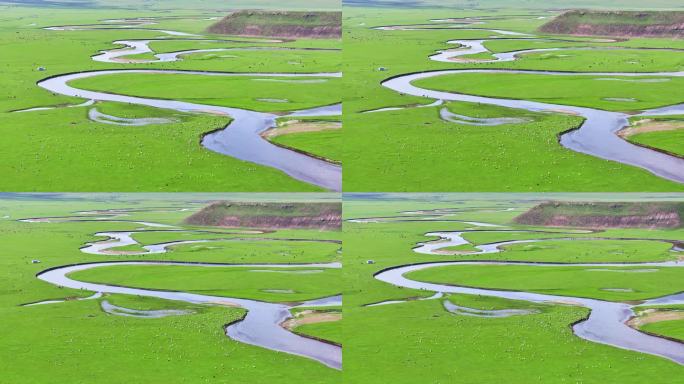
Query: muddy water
{"type": "Point", "coordinates": [606, 323]}
{"type": "Point", "coordinates": [241, 138]}
{"type": "Point", "coordinates": [597, 135]}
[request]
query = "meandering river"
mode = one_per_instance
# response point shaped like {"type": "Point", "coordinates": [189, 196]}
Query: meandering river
{"type": "Point", "coordinates": [607, 321]}
{"type": "Point", "coordinates": [241, 139]}
{"type": "Point", "coordinates": [261, 326]}
{"type": "Point", "coordinates": [596, 136]}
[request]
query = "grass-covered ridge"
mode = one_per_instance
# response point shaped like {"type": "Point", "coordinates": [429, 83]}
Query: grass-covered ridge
{"type": "Point", "coordinates": [280, 24]}
{"type": "Point", "coordinates": [605, 214]}
{"type": "Point", "coordinates": [269, 215]}
{"type": "Point", "coordinates": [618, 23]}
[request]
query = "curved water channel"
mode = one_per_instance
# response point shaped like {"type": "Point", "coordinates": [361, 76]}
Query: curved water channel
{"type": "Point", "coordinates": [241, 139]}
{"type": "Point", "coordinates": [597, 134]}
{"type": "Point", "coordinates": [261, 326]}
{"type": "Point", "coordinates": [607, 321]}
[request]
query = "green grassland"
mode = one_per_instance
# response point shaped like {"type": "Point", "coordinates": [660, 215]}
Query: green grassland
{"type": "Point", "coordinates": [42, 342]}
{"type": "Point", "coordinates": [254, 60]}
{"type": "Point", "coordinates": [38, 145]}
{"type": "Point", "coordinates": [672, 142]}
{"type": "Point", "coordinates": [583, 91]}
{"type": "Point", "coordinates": [229, 282]}
{"type": "Point", "coordinates": [602, 57]}
{"type": "Point", "coordinates": [240, 250]}
{"type": "Point", "coordinates": [581, 250]}
{"type": "Point", "coordinates": [441, 156]}
{"type": "Point", "coordinates": [330, 331]}
{"type": "Point", "coordinates": [236, 92]}
{"type": "Point", "coordinates": [325, 143]}
{"type": "Point", "coordinates": [666, 140]}
{"type": "Point", "coordinates": [562, 281]}
{"type": "Point", "coordinates": [672, 328]}
{"type": "Point", "coordinates": [420, 341]}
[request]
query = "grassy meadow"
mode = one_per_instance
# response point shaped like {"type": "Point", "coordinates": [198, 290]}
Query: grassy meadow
{"type": "Point", "coordinates": [419, 341]}
{"type": "Point", "coordinates": [437, 155]}
{"type": "Point", "coordinates": [46, 341]}
{"type": "Point", "coordinates": [38, 145]}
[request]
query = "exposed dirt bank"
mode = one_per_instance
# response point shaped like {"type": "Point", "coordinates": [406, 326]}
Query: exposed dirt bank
{"type": "Point", "coordinates": [654, 316]}
{"type": "Point", "coordinates": [314, 215]}
{"type": "Point", "coordinates": [617, 23]}
{"type": "Point", "coordinates": [311, 317]}
{"type": "Point", "coordinates": [649, 125]}
{"type": "Point", "coordinates": [296, 126]}
{"type": "Point", "coordinates": [326, 25]}
{"type": "Point", "coordinates": [604, 215]}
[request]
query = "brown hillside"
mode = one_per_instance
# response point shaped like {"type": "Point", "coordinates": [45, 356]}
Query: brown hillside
{"type": "Point", "coordinates": [618, 23]}
{"type": "Point", "coordinates": [289, 24]}
{"type": "Point", "coordinates": [604, 215]}
{"type": "Point", "coordinates": [326, 216]}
